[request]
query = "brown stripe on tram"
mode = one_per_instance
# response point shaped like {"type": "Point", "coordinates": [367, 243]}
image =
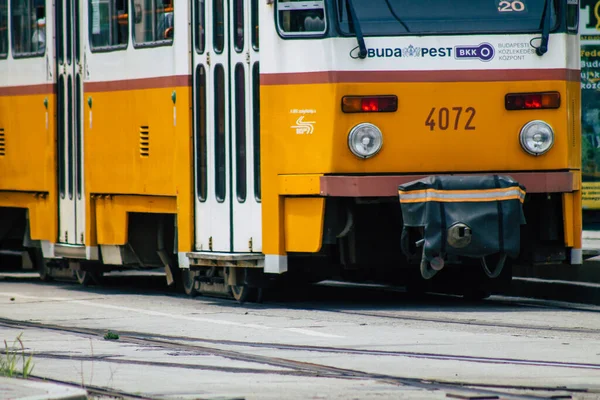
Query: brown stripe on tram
{"type": "Point", "coordinates": [139, 84]}
{"type": "Point", "coordinates": [387, 185]}
{"type": "Point", "coordinates": [25, 90]}
{"type": "Point", "coordinates": [491, 75]}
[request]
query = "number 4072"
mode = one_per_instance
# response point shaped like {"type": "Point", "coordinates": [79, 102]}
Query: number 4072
{"type": "Point", "coordinates": [454, 118]}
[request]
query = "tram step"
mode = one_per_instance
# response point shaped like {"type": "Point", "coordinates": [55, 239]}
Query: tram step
{"type": "Point", "coordinates": [219, 259]}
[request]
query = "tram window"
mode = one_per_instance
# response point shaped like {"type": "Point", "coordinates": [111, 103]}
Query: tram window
{"type": "Point", "coordinates": [573, 16]}
{"type": "Point", "coordinates": [256, 128]}
{"type": "Point", "coordinates": [69, 32]}
{"type": "Point", "coordinates": [200, 26]}
{"type": "Point", "coordinates": [28, 27]}
{"type": "Point", "coordinates": [59, 27]}
{"type": "Point", "coordinates": [3, 28]}
{"type": "Point", "coordinates": [109, 24]}
{"type": "Point", "coordinates": [298, 17]}
{"type": "Point", "coordinates": [218, 26]}
{"type": "Point", "coordinates": [240, 132]}
{"type": "Point", "coordinates": [238, 25]}
{"type": "Point", "coordinates": [200, 121]}
{"type": "Point", "coordinates": [434, 17]}
{"type": "Point", "coordinates": [254, 23]}
{"type": "Point", "coordinates": [153, 22]}
{"type": "Point", "coordinates": [220, 155]}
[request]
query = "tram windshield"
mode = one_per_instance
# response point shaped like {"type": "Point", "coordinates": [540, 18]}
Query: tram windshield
{"type": "Point", "coordinates": [407, 17]}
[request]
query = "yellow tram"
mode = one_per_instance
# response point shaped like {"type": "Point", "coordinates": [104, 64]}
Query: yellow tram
{"type": "Point", "coordinates": [380, 140]}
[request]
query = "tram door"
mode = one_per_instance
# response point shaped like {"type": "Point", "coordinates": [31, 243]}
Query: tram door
{"type": "Point", "coordinates": [226, 142]}
{"type": "Point", "coordinates": [71, 226]}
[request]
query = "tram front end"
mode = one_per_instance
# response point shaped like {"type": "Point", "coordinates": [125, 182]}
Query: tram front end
{"type": "Point", "coordinates": [405, 137]}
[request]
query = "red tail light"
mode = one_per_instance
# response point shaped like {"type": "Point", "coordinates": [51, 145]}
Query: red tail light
{"type": "Point", "coordinates": [532, 101]}
{"type": "Point", "coordinates": [356, 104]}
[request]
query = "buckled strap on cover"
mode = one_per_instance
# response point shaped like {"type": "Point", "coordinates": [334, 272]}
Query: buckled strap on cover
{"type": "Point", "coordinates": [452, 196]}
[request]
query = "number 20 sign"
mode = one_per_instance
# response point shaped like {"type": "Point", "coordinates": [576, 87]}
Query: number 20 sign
{"type": "Point", "coordinates": [511, 6]}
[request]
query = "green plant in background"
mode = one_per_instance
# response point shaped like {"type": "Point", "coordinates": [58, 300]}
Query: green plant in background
{"type": "Point", "coordinates": [9, 361]}
{"type": "Point", "coordinates": [111, 336]}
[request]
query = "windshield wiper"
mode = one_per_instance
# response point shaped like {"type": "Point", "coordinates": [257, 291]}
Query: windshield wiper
{"type": "Point", "coordinates": [396, 15]}
{"type": "Point", "coordinates": [546, 20]}
{"type": "Point", "coordinates": [362, 52]}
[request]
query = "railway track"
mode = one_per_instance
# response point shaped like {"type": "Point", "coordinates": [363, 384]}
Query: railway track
{"type": "Point", "coordinates": [386, 291]}
{"type": "Point", "coordinates": [97, 391]}
{"type": "Point", "coordinates": [201, 350]}
{"type": "Point", "coordinates": [522, 303]}
{"type": "Point", "coordinates": [300, 368]}
{"type": "Point", "coordinates": [455, 321]}
{"type": "Point", "coordinates": [381, 294]}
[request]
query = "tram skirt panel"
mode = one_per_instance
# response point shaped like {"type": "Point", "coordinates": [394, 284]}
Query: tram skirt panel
{"type": "Point", "coordinates": [463, 216]}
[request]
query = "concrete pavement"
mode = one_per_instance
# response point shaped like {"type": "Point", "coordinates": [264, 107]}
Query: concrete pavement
{"type": "Point", "coordinates": [21, 389]}
{"type": "Point", "coordinates": [418, 338]}
{"type": "Point", "coordinates": [554, 282]}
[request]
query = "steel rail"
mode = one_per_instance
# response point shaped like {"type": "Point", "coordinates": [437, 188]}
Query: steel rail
{"type": "Point", "coordinates": [97, 390]}
{"type": "Point", "coordinates": [319, 370]}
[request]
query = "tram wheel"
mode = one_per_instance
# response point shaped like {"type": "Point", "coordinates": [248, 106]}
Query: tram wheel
{"type": "Point", "coordinates": [87, 278]}
{"type": "Point", "coordinates": [41, 265]}
{"type": "Point", "coordinates": [44, 271]}
{"type": "Point", "coordinates": [188, 280]}
{"type": "Point", "coordinates": [244, 293]}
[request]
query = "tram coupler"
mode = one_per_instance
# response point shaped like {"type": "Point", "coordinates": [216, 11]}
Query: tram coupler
{"type": "Point", "coordinates": [457, 217]}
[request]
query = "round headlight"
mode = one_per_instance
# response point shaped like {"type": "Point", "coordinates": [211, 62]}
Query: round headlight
{"type": "Point", "coordinates": [365, 140]}
{"type": "Point", "coordinates": [537, 137]}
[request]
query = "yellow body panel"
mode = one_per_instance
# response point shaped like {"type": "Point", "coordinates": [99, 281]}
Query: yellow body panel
{"type": "Point", "coordinates": [304, 223]}
{"type": "Point", "coordinates": [29, 161]}
{"type": "Point", "coordinates": [273, 218]}
{"type": "Point", "coordinates": [112, 211]}
{"type": "Point", "coordinates": [42, 212]}
{"type": "Point", "coordinates": [138, 142]}
{"type": "Point", "coordinates": [568, 225]}
{"type": "Point", "coordinates": [28, 166]}
{"type": "Point", "coordinates": [113, 151]}
{"type": "Point", "coordinates": [410, 146]}
{"type": "Point", "coordinates": [300, 184]}
{"type": "Point", "coordinates": [572, 219]}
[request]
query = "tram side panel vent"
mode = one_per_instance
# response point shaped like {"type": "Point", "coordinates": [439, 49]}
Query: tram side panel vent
{"type": "Point", "coordinates": [144, 141]}
{"type": "Point", "coordinates": [2, 143]}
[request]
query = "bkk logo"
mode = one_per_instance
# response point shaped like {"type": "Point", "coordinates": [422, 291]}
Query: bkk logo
{"type": "Point", "coordinates": [483, 52]}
